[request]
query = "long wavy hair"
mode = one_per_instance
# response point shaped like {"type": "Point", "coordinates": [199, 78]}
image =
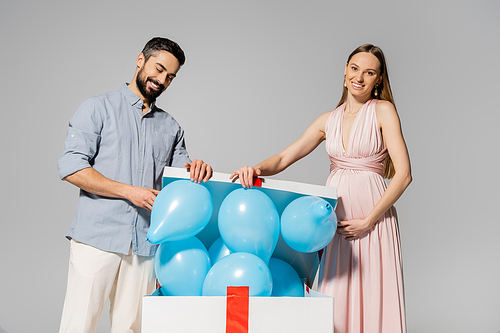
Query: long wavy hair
{"type": "Point", "coordinates": [384, 92]}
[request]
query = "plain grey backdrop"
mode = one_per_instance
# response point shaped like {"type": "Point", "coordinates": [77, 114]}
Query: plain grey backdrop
{"type": "Point", "coordinates": [257, 74]}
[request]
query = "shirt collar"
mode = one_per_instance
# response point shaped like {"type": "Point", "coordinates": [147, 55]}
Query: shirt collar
{"type": "Point", "coordinates": [133, 99]}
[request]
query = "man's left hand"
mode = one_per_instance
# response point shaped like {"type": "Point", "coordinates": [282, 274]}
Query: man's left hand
{"type": "Point", "coordinates": [199, 171]}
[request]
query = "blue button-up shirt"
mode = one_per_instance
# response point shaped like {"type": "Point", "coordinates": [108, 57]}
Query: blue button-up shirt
{"type": "Point", "coordinates": [110, 134]}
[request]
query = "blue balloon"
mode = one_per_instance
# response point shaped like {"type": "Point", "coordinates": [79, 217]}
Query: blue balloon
{"type": "Point", "coordinates": [217, 251]}
{"type": "Point", "coordinates": [249, 222]}
{"type": "Point", "coordinates": [181, 210]}
{"type": "Point", "coordinates": [286, 281]}
{"type": "Point", "coordinates": [239, 270]}
{"type": "Point", "coordinates": [308, 224]}
{"type": "Point", "coordinates": [181, 267]}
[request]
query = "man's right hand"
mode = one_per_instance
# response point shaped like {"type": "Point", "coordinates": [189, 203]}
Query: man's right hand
{"type": "Point", "coordinates": [92, 181]}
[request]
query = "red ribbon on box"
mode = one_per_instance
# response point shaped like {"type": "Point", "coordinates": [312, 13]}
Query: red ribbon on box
{"type": "Point", "coordinates": [257, 182]}
{"type": "Point", "coordinates": [237, 310]}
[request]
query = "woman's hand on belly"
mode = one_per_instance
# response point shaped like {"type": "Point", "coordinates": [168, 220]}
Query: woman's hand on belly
{"type": "Point", "coordinates": [353, 229]}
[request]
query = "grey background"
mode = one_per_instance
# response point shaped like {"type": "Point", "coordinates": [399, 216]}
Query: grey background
{"type": "Point", "coordinates": [257, 74]}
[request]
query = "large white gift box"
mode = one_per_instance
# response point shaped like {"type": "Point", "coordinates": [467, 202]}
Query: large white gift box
{"type": "Point", "coordinates": [207, 314]}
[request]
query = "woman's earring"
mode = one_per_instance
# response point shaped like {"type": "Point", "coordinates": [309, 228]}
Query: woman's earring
{"type": "Point", "coordinates": [345, 85]}
{"type": "Point", "coordinates": [376, 91]}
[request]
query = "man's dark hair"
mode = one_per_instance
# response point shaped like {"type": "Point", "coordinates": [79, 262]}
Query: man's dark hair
{"type": "Point", "coordinates": [163, 44]}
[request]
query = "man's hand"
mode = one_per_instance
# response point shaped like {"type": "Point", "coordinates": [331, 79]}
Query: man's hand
{"type": "Point", "coordinates": [199, 171]}
{"type": "Point", "coordinates": [142, 196]}
{"type": "Point", "coordinates": [92, 181]}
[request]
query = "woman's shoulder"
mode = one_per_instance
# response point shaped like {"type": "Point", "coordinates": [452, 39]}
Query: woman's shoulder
{"type": "Point", "coordinates": [383, 104]}
{"type": "Point", "coordinates": [337, 110]}
{"type": "Point", "coordinates": [326, 114]}
{"type": "Point", "coordinates": [321, 120]}
{"type": "Point", "coordinates": [386, 111]}
{"type": "Point", "coordinates": [384, 107]}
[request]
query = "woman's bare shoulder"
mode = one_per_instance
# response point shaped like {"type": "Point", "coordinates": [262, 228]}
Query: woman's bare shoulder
{"type": "Point", "coordinates": [387, 114]}
{"type": "Point", "coordinates": [385, 109]}
{"type": "Point", "coordinates": [385, 106]}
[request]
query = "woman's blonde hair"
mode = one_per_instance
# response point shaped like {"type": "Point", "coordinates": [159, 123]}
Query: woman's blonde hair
{"type": "Point", "coordinates": [383, 90]}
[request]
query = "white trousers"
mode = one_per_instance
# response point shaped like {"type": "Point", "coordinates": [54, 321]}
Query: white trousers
{"type": "Point", "coordinates": [93, 277]}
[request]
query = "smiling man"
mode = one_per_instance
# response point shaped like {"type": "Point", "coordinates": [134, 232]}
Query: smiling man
{"type": "Point", "coordinates": [117, 146]}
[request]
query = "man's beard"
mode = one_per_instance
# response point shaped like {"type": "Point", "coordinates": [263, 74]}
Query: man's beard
{"type": "Point", "coordinates": [141, 83]}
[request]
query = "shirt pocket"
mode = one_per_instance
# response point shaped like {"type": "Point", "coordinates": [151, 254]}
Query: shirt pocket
{"type": "Point", "coordinates": [162, 146]}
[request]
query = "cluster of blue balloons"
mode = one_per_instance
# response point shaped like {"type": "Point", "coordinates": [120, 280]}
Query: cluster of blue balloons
{"type": "Point", "coordinates": [249, 227]}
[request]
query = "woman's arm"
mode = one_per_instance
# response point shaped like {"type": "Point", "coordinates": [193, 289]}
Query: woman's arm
{"type": "Point", "coordinates": [391, 131]}
{"type": "Point", "coordinates": [312, 137]}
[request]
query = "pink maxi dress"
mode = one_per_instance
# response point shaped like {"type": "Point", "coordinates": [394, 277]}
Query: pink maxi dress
{"type": "Point", "coordinates": [365, 275]}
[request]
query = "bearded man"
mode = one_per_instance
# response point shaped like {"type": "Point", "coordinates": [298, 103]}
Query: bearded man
{"type": "Point", "coordinates": [116, 148]}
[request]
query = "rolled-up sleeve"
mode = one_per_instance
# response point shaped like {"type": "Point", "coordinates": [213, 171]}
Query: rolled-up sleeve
{"type": "Point", "coordinates": [82, 140]}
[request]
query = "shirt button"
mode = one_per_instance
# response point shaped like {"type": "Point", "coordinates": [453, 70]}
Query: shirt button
{"type": "Point", "coordinates": [140, 153]}
{"type": "Point", "coordinates": [132, 225]}
{"type": "Point", "coordinates": [140, 170]}
{"type": "Point", "coordinates": [135, 208]}
{"type": "Point", "coordinates": [72, 135]}
{"type": "Point", "coordinates": [142, 134]}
